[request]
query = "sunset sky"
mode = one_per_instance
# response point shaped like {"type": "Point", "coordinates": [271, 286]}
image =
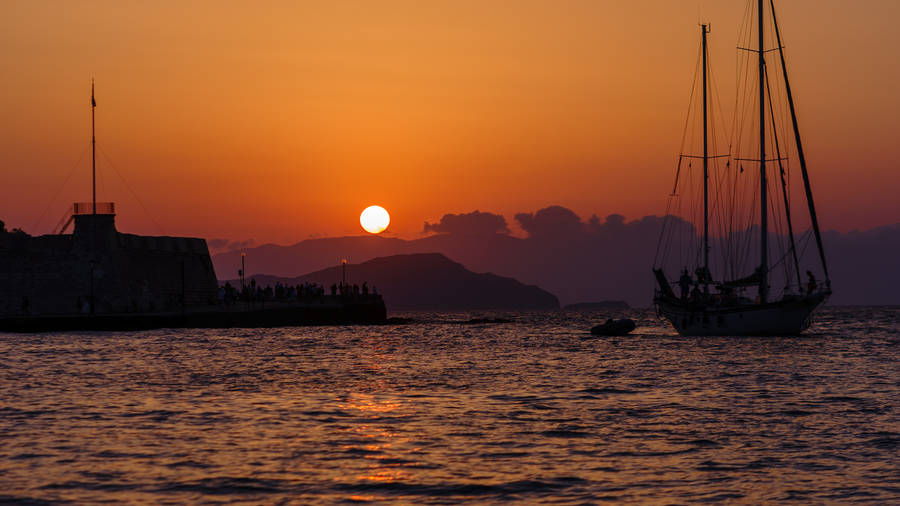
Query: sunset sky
{"type": "Point", "coordinates": [278, 121]}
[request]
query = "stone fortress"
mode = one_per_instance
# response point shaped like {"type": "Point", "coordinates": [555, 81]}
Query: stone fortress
{"type": "Point", "coordinates": [99, 270]}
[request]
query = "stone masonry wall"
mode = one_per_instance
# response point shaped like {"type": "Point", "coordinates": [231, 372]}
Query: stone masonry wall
{"type": "Point", "coordinates": [52, 274]}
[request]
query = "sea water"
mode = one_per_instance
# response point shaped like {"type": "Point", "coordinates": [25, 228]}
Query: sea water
{"type": "Point", "coordinates": [441, 411]}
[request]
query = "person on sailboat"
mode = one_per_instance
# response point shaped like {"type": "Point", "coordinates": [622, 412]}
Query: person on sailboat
{"type": "Point", "coordinates": [696, 296]}
{"type": "Point", "coordinates": [703, 276]}
{"type": "Point", "coordinates": [685, 283]}
{"type": "Point", "coordinates": [811, 284]}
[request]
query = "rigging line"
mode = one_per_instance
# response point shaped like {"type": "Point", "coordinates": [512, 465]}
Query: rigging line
{"type": "Point", "coordinates": [740, 248]}
{"type": "Point", "coordinates": [751, 214]}
{"type": "Point", "coordinates": [102, 182]}
{"type": "Point", "coordinates": [747, 211]}
{"type": "Point", "coordinates": [721, 207]}
{"type": "Point", "coordinates": [687, 121]}
{"type": "Point", "coordinates": [679, 252]}
{"type": "Point", "coordinates": [662, 232]}
{"type": "Point", "coordinates": [784, 190]}
{"type": "Point", "coordinates": [741, 70]}
{"type": "Point", "coordinates": [807, 239]}
{"type": "Point", "coordinates": [664, 247]}
{"type": "Point", "coordinates": [665, 233]}
{"type": "Point", "coordinates": [60, 189]}
{"type": "Point", "coordinates": [133, 194]}
{"type": "Point", "coordinates": [686, 210]}
{"type": "Point", "coordinates": [673, 204]}
{"type": "Point", "coordinates": [782, 263]}
{"type": "Point", "coordinates": [732, 216]}
{"type": "Point", "coordinates": [744, 112]}
{"type": "Point", "coordinates": [777, 225]}
{"type": "Point", "coordinates": [736, 126]}
{"type": "Point", "coordinates": [714, 82]}
{"type": "Point", "coordinates": [800, 154]}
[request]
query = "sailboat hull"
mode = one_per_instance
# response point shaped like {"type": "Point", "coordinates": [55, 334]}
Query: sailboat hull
{"type": "Point", "coordinates": [789, 316]}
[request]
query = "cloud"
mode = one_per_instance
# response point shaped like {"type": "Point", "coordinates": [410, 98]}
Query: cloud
{"type": "Point", "coordinates": [219, 244]}
{"type": "Point", "coordinates": [249, 243]}
{"type": "Point", "coordinates": [553, 220]}
{"type": "Point", "coordinates": [472, 223]}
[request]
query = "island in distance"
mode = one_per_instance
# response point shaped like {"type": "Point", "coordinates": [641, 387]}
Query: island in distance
{"type": "Point", "coordinates": [428, 281]}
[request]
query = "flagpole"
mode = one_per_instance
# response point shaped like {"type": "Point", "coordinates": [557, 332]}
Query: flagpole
{"type": "Point", "coordinates": [93, 155]}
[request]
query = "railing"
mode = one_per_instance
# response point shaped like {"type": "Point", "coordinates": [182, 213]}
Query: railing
{"type": "Point", "coordinates": [79, 208]}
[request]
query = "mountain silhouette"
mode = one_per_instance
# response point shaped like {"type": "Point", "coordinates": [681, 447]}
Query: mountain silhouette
{"type": "Point", "coordinates": [578, 261]}
{"type": "Point", "coordinates": [429, 281]}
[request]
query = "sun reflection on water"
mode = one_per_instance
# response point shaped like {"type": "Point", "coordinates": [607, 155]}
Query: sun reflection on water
{"type": "Point", "coordinates": [384, 452]}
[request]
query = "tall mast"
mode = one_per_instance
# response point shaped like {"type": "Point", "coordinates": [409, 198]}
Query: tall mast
{"type": "Point", "coordinates": [800, 155]}
{"type": "Point", "coordinates": [93, 155]}
{"type": "Point", "coordinates": [763, 217]}
{"type": "Point", "coordinates": [704, 31]}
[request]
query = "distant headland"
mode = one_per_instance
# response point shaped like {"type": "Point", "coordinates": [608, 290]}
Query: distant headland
{"type": "Point", "coordinates": [429, 281]}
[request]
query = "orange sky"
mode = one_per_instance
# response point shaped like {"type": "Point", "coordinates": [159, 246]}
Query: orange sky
{"type": "Point", "coordinates": [283, 121]}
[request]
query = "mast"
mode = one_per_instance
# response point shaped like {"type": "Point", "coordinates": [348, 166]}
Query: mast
{"type": "Point", "coordinates": [704, 31]}
{"type": "Point", "coordinates": [763, 217]}
{"type": "Point", "coordinates": [800, 155]}
{"type": "Point", "coordinates": [93, 155]}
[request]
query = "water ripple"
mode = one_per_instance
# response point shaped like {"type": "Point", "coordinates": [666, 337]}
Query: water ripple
{"type": "Point", "coordinates": [517, 406]}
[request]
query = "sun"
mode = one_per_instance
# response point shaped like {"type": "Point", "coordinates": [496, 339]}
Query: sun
{"type": "Point", "coordinates": [374, 219]}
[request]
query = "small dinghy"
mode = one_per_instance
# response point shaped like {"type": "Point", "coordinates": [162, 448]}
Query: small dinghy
{"type": "Point", "coordinates": [614, 327]}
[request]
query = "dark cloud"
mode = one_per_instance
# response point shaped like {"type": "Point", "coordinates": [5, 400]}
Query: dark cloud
{"type": "Point", "coordinates": [553, 220]}
{"type": "Point", "coordinates": [470, 223]}
{"type": "Point", "coordinates": [612, 221]}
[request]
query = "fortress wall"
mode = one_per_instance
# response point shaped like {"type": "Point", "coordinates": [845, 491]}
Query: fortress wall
{"type": "Point", "coordinates": [153, 267]}
{"type": "Point", "coordinates": [39, 275]}
{"type": "Point", "coordinates": [53, 274]}
{"type": "Point", "coordinates": [164, 243]}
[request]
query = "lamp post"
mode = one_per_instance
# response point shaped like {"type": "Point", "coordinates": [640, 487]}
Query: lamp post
{"type": "Point", "coordinates": [243, 269]}
{"type": "Point", "coordinates": [344, 272]}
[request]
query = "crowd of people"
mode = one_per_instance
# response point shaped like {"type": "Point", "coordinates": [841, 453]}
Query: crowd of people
{"type": "Point", "coordinates": [697, 289]}
{"type": "Point", "coordinates": [253, 293]}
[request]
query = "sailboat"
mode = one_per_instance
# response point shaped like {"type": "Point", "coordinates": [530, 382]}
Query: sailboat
{"type": "Point", "coordinates": [725, 281]}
